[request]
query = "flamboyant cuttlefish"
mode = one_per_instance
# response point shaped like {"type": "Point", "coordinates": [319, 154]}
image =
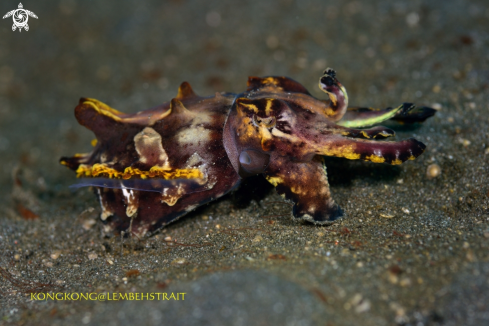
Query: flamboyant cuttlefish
{"type": "Point", "coordinates": [154, 166]}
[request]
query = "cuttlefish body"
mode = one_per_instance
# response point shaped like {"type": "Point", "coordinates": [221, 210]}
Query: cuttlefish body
{"type": "Point", "coordinates": [152, 167]}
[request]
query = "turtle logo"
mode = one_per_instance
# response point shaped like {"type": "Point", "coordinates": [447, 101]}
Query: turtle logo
{"type": "Point", "coordinates": [20, 17]}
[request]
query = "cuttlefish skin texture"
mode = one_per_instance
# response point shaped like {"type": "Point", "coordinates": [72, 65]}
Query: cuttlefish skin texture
{"type": "Point", "coordinates": [152, 167]}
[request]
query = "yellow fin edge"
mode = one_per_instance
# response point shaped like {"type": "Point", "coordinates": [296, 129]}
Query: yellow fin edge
{"type": "Point", "coordinates": [102, 170]}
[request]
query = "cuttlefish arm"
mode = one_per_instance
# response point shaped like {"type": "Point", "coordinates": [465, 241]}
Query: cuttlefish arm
{"type": "Point", "coordinates": [389, 152]}
{"type": "Point", "coordinates": [306, 185]}
{"type": "Point", "coordinates": [372, 133]}
{"type": "Point", "coordinates": [338, 97]}
{"type": "Point", "coordinates": [359, 117]}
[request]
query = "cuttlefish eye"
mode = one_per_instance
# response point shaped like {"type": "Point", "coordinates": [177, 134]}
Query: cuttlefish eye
{"type": "Point", "coordinates": [252, 162]}
{"type": "Point", "coordinates": [267, 122]}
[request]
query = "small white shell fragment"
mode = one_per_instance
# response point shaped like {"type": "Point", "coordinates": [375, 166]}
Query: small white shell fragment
{"type": "Point", "coordinates": [433, 171]}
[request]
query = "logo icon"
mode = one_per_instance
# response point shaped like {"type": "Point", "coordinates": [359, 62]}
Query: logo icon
{"type": "Point", "coordinates": [20, 17]}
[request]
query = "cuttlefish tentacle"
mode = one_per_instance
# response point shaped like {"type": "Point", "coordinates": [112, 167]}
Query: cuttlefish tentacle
{"type": "Point", "coordinates": [306, 185]}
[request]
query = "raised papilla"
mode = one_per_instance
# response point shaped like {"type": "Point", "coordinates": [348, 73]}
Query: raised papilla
{"type": "Point", "coordinates": [152, 167]}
